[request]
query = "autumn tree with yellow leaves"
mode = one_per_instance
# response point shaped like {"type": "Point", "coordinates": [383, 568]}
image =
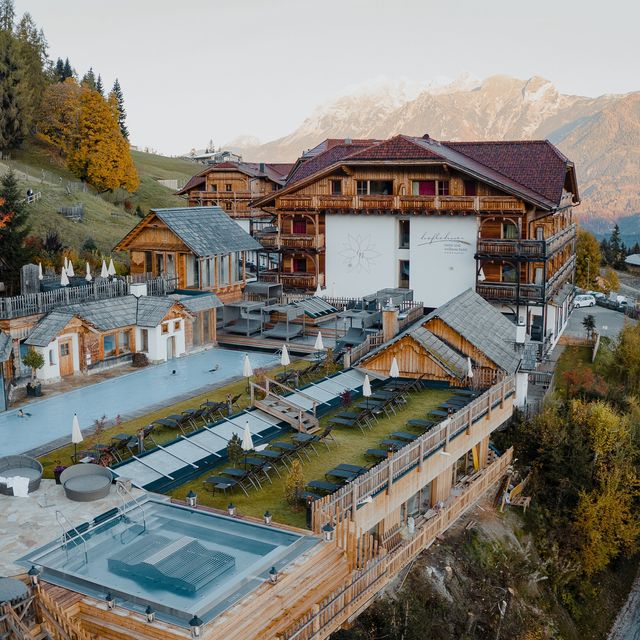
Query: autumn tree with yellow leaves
{"type": "Point", "coordinates": [84, 127]}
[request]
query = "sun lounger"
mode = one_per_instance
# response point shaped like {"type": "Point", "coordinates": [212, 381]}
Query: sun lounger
{"type": "Point", "coordinates": [282, 332]}
{"type": "Point", "coordinates": [341, 473]}
{"type": "Point", "coordinates": [380, 454]}
{"type": "Point", "coordinates": [404, 435]}
{"type": "Point", "coordinates": [323, 485]}
{"type": "Point", "coordinates": [244, 327]}
{"type": "Point", "coordinates": [396, 444]}
{"type": "Point", "coordinates": [421, 423]}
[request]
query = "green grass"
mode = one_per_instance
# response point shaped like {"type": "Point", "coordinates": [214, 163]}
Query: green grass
{"type": "Point", "coordinates": [351, 447]}
{"type": "Point", "coordinates": [572, 359]}
{"type": "Point", "coordinates": [103, 221]}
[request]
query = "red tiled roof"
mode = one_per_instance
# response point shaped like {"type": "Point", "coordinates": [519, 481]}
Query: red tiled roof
{"type": "Point", "coordinates": [535, 164]}
{"type": "Point", "coordinates": [283, 168]}
{"type": "Point", "coordinates": [194, 182]}
{"type": "Point", "coordinates": [396, 148]}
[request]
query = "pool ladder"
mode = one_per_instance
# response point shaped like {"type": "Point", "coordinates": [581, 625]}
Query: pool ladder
{"type": "Point", "coordinates": [125, 494]}
{"type": "Point", "coordinates": [70, 533]}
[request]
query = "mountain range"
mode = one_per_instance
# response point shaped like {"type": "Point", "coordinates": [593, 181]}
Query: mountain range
{"type": "Point", "coordinates": [601, 135]}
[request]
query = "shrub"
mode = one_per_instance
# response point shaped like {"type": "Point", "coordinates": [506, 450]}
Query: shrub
{"type": "Point", "coordinates": [128, 205]}
{"type": "Point", "coordinates": [89, 245]}
{"type": "Point", "coordinates": [140, 360]}
{"type": "Point", "coordinates": [294, 484]}
{"type": "Point", "coordinates": [345, 398]}
{"type": "Point", "coordinates": [139, 211]}
{"type": "Point", "coordinates": [234, 450]}
{"type": "Point", "coordinates": [34, 360]}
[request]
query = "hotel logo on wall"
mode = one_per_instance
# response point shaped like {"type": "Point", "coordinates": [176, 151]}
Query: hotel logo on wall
{"type": "Point", "coordinates": [359, 253]}
{"type": "Point", "coordinates": [452, 245]}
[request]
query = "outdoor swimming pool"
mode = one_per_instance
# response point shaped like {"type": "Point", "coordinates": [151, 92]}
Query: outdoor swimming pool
{"type": "Point", "coordinates": [180, 561]}
{"type": "Point", "coordinates": [127, 394]}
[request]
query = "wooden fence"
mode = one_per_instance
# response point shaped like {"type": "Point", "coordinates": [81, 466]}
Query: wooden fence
{"type": "Point", "coordinates": [45, 301]}
{"type": "Point", "coordinates": [332, 508]}
{"type": "Point", "coordinates": [58, 623]}
{"type": "Point", "coordinates": [329, 615]}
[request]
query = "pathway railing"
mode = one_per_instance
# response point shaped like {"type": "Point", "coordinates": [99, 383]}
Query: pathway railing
{"type": "Point", "coordinates": [331, 613]}
{"type": "Point", "coordinates": [381, 476]}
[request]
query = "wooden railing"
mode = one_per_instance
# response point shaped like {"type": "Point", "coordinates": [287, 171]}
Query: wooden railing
{"type": "Point", "coordinates": [291, 240]}
{"type": "Point", "coordinates": [371, 342]}
{"type": "Point", "coordinates": [327, 616]}
{"type": "Point", "coordinates": [401, 203]}
{"type": "Point", "coordinates": [413, 315]}
{"type": "Point", "coordinates": [57, 621]}
{"type": "Point", "coordinates": [43, 302]}
{"type": "Point", "coordinates": [508, 291]}
{"type": "Point", "coordinates": [534, 249]}
{"type": "Point", "coordinates": [381, 476]}
{"type": "Point", "coordinates": [297, 280]}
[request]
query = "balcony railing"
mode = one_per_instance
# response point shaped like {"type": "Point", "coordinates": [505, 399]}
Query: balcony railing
{"type": "Point", "coordinates": [528, 292]}
{"type": "Point", "coordinates": [294, 280]}
{"type": "Point", "coordinates": [530, 249]}
{"type": "Point", "coordinates": [291, 241]}
{"type": "Point", "coordinates": [402, 203]}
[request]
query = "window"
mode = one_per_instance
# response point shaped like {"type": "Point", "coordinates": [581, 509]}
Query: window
{"type": "Point", "coordinates": [430, 187]}
{"type": "Point", "coordinates": [165, 327]}
{"type": "Point", "coordinates": [227, 206]}
{"type": "Point", "coordinates": [214, 188]}
{"type": "Point", "coordinates": [159, 264]}
{"type": "Point", "coordinates": [470, 188]}
{"type": "Point", "coordinates": [144, 339]}
{"type": "Point", "coordinates": [336, 187]}
{"type": "Point", "coordinates": [509, 231]}
{"type": "Point", "coordinates": [299, 225]}
{"type": "Point", "coordinates": [148, 261]}
{"type": "Point", "coordinates": [300, 265]}
{"type": "Point", "coordinates": [223, 270]}
{"type": "Point", "coordinates": [192, 279]}
{"type": "Point", "coordinates": [404, 233]}
{"type": "Point", "coordinates": [124, 342]}
{"type": "Point", "coordinates": [52, 358]}
{"type": "Point", "coordinates": [176, 325]}
{"type": "Point", "coordinates": [171, 265]}
{"type": "Point", "coordinates": [403, 279]}
{"type": "Point", "coordinates": [109, 343]}
{"type": "Point", "coordinates": [443, 187]}
{"type": "Point", "coordinates": [64, 349]}
{"type": "Point", "coordinates": [374, 187]}
{"type": "Point", "coordinates": [508, 273]}
{"type": "Point", "coordinates": [228, 187]}
{"type": "Point", "coordinates": [539, 232]}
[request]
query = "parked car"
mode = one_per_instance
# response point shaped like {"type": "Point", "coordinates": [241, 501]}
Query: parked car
{"type": "Point", "coordinates": [584, 300]}
{"type": "Point", "coordinates": [598, 295]}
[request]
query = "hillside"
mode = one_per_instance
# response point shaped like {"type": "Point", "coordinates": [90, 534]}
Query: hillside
{"type": "Point", "coordinates": [601, 135]}
{"type": "Point", "coordinates": [105, 219]}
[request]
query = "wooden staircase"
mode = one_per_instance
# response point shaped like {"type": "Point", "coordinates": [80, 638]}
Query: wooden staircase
{"type": "Point", "coordinates": [292, 414]}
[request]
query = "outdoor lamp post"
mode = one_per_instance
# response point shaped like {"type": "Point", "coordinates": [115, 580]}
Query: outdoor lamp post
{"type": "Point", "coordinates": [328, 531]}
{"type": "Point", "coordinates": [267, 517]}
{"type": "Point", "coordinates": [111, 603]}
{"type": "Point", "coordinates": [34, 575]}
{"type": "Point", "coordinates": [192, 499]}
{"type": "Point", "coordinates": [196, 626]}
{"type": "Point", "coordinates": [231, 509]}
{"type": "Point", "coordinates": [150, 614]}
{"type": "Point", "coordinates": [273, 575]}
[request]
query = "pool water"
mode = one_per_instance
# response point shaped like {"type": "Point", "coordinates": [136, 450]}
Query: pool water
{"type": "Point", "coordinates": [161, 529]}
{"type": "Point", "coordinates": [153, 386]}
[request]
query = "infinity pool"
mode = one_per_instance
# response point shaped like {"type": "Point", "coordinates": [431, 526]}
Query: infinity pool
{"type": "Point", "coordinates": [181, 561]}
{"type": "Point", "coordinates": [131, 393]}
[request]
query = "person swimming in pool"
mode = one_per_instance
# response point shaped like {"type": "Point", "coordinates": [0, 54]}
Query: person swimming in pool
{"type": "Point", "coordinates": [215, 368]}
{"type": "Point", "coordinates": [23, 414]}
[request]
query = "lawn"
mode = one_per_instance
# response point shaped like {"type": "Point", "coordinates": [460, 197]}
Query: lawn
{"type": "Point", "coordinates": [64, 454]}
{"type": "Point", "coordinates": [351, 447]}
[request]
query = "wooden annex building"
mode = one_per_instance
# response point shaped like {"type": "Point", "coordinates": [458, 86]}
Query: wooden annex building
{"type": "Point", "coordinates": [201, 247]}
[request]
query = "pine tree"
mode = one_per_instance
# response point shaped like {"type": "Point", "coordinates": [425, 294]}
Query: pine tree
{"type": "Point", "coordinates": [67, 71]}
{"type": "Point", "coordinates": [99, 87]}
{"type": "Point", "coordinates": [122, 114]}
{"type": "Point", "coordinates": [58, 70]}
{"type": "Point", "coordinates": [7, 15]}
{"type": "Point", "coordinates": [13, 94]}
{"type": "Point", "coordinates": [13, 232]}
{"type": "Point", "coordinates": [89, 80]}
{"type": "Point", "coordinates": [605, 251]}
{"type": "Point", "coordinates": [635, 250]}
{"type": "Point", "coordinates": [617, 248]}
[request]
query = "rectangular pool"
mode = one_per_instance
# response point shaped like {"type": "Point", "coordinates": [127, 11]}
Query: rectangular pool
{"type": "Point", "coordinates": [180, 561]}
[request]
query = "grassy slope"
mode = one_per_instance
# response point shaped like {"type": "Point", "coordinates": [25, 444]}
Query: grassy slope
{"type": "Point", "coordinates": [40, 167]}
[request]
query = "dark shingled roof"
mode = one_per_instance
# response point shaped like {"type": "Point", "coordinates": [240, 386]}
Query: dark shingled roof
{"type": "Point", "coordinates": [197, 302]}
{"type": "Point", "coordinates": [104, 315]}
{"type": "Point", "coordinates": [207, 231]}
{"type": "Point", "coordinates": [483, 326]}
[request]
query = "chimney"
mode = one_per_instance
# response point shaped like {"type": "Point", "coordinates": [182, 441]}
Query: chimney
{"type": "Point", "coordinates": [262, 167]}
{"type": "Point", "coordinates": [521, 331]}
{"type": "Point", "coordinates": [348, 141]}
{"type": "Point", "coordinates": [426, 136]}
{"type": "Point", "coordinates": [389, 322]}
{"type": "Point", "coordinates": [138, 289]}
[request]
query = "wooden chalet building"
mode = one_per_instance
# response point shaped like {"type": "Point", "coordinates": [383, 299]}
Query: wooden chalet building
{"type": "Point", "coordinates": [436, 217]}
{"type": "Point", "coordinates": [201, 247]}
{"type": "Point", "coordinates": [234, 185]}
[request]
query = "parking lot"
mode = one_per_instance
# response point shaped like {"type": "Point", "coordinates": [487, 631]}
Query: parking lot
{"type": "Point", "coordinates": [608, 322]}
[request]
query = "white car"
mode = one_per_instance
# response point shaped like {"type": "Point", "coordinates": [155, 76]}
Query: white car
{"type": "Point", "coordinates": [584, 300]}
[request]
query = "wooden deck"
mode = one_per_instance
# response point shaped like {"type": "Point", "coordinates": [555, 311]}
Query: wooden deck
{"type": "Point", "coordinates": [267, 344]}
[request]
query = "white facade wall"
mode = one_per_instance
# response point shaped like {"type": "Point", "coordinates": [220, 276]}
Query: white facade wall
{"type": "Point", "coordinates": [363, 255]}
{"type": "Point", "coordinates": [158, 351]}
{"type": "Point", "coordinates": [522, 388]}
{"type": "Point", "coordinates": [51, 368]}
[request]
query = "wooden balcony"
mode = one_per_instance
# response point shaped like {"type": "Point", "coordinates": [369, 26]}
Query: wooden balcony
{"type": "Point", "coordinates": [296, 280]}
{"type": "Point", "coordinates": [525, 249]}
{"type": "Point", "coordinates": [406, 204]}
{"type": "Point", "coordinates": [224, 195]}
{"type": "Point", "coordinates": [291, 241]}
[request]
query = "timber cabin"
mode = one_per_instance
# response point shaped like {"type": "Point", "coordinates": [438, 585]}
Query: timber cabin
{"type": "Point", "coordinates": [234, 185]}
{"type": "Point", "coordinates": [103, 333]}
{"type": "Point", "coordinates": [436, 217]}
{"type": "Point", "coordinates": [201, 247]}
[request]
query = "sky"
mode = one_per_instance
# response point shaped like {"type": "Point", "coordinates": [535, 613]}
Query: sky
{"type": "Point", "coordinates": [200, 70]}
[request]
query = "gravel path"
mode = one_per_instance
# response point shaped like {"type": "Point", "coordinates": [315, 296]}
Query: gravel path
{"type": "Point", "coordinates": [627, 623]}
